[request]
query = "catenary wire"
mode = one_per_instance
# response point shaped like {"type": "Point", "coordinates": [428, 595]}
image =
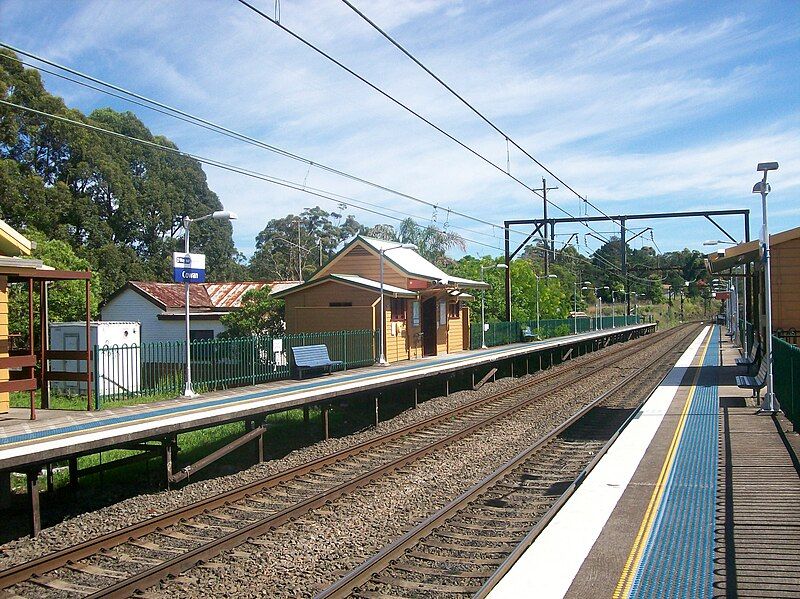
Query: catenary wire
{"type": "Point", "coordinates": [264, 177]}
{"type": "Point", "coordinates": [466, 103]}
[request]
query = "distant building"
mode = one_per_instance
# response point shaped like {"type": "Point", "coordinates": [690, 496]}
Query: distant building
{"type": "Point", "coordinates": [160, 307]}
{"type": "Point", "coordinates": [425, 313]}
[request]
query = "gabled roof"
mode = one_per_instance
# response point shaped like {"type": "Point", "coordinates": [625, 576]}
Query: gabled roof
{"type": "Point", "coordinates": [353, 280]}
{"type": "Point", "coordinates": [12, 242]}
{"type": "Point", "coordinates": [406, 260]}
{"type": "Point", "coordinates": [203, 297]}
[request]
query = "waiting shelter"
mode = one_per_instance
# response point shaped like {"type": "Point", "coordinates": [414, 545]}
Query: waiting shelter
{"type": "Point", "coordinates": [424, 310]}
{"type": "Point", "coordinates": [25, 355]}
{"type": "Point", "coordinates": [785, 267]}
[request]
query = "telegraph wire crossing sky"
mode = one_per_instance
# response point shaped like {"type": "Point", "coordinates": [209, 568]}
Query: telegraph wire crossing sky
{"type": "Point", "coordinates": [639, 108]}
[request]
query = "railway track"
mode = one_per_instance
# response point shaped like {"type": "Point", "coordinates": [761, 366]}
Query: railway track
{"type": "Point", "coordinates": [139, 556]}
{"type": "Point", "coordinates": [466, 547]}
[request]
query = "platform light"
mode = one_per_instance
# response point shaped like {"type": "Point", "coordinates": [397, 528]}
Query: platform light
{"type": "Point", "coordinates": [770, 404]}
{"type": "Point", "coordinates": [188, 390]}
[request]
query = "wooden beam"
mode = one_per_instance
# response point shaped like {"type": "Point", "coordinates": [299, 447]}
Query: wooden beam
{"type": "Point", "coordinates": [482, 382]}
{"type": "Point", "coordinates": [221, 452]}
{"type": "Point", "coordinates": [325, 422]}
{"type": "Point", "coordinates": [34, 513]}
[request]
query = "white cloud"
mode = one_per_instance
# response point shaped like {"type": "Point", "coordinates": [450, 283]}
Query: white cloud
{"type": "Point", "coordinates": [640, 105]}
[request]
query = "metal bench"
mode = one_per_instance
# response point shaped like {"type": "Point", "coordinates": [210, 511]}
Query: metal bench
{"type": "Point", "coordinates": [751, 358]}
{"type": "Point", "coordinates": [313, 357]}
{"type": "Point", "coordinates": [755, 383]}
{"type": "Point", "coordinates": [529, 335]}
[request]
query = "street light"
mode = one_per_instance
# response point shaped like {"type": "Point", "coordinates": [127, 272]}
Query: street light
{"type": "Point", "coordinates": [188, 391]}
{"type": "Point", "coordinates": [770, 403]}
{"type": "Point", "coordinates": [483, 307]}
{"type": "Point", "coordinates": [537, 297]}
{"type": "Point", "coordinates": [613, 292]}
{"type": "Point", "coordinates": [409, 246]}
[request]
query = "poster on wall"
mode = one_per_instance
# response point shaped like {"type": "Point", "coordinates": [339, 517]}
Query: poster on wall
{"type": "Point", "coordinates": [442, 313]}
{"type": "Point", "coordinates": [415, 314]}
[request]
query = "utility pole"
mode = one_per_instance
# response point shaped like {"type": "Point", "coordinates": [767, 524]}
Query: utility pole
{"type": "Point", "coordinates": [547, 237]}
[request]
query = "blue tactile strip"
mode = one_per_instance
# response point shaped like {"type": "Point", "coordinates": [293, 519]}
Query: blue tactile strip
{"type": "Point", "coordinates": [213, 403]}
{"type": "Point", "coordinates": [678, 557]}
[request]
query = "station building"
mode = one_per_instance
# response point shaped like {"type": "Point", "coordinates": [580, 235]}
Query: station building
{"type": "Point", "coordinates": [425, 314]}
{"type": "Point", "coordinates": [785, 271]}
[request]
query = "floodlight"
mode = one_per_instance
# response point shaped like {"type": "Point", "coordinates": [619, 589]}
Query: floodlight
{"type": "Point", "coordinates": [767, 166]}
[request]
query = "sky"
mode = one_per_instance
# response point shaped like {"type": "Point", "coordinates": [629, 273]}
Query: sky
{"type": "Point", "coordinates": [638, 106]}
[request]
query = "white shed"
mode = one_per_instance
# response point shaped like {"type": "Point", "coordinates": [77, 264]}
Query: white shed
{"type": "Point", "coordinates": [118, 368]}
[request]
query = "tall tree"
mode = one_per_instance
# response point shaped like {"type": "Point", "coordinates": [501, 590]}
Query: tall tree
{"type": "Point", "coordinates": [294, 246]}
{"type": "Point", "coordinates": [117, 203]}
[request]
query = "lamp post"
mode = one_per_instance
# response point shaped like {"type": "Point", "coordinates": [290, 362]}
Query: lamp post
{"type": "Point", "coordinates": [600, 306]}
{"type": "Point", "coordinates": [410, 246]}
{"type": "Point", "coordinates": [613, 293]}
{"type": "Point", "coordinates": [770, 403]}
{"type": "Point", "coordinates": [537, 296]}
{"type": "Point", "coordinates": [188, 391]}
{"type": "Point", "coordinates": [483, 302]}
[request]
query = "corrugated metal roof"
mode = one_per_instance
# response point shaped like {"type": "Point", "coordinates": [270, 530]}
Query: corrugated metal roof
{"type": "Point", "coordinates": [206, 296]}
{"type": "Point", "coordinates": [414, 264]}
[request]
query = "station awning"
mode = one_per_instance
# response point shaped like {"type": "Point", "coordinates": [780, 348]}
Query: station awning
{"type": "Point", "coordinates": [736, 255]}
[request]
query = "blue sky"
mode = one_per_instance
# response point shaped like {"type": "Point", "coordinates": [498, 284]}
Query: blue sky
{"type": "Point", "coordinates": [641, 106]}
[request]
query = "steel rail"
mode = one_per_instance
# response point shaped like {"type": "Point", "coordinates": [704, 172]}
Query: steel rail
{"type": "Point", "coordinates": [91, 547]}
{"type": "Point", "coordinates": [362, 574]}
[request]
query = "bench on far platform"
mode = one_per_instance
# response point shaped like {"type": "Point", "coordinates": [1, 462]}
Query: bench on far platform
{"type": "Point", "coordinates": [313, 357]}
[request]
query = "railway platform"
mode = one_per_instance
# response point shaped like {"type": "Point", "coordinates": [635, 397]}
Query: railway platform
{"type": "Point", "coordinates": [698, 497]}
{"type": "Point", "coordinates": [29, 446]}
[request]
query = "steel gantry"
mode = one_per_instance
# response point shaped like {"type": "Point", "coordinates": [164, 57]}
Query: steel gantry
{"type": "Point", "coordinates": [545, 228]}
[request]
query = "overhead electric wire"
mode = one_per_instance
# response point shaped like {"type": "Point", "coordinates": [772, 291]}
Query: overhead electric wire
{"type": "Point", "coordinates": [477, 112]}
{"type": "Point", "coordinates": [257, 175]}
{"type": "Point", "coordinates": [179, 114]}
{"type": "Point", "coordinates": [167, 110]}
{"type": "Point", "coordinates": [333, 197]}
{"type": "Point", "coordinates": [405, 107]}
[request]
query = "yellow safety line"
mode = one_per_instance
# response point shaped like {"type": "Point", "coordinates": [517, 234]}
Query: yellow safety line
{"type": "Point", "coordinates": [625, 582]}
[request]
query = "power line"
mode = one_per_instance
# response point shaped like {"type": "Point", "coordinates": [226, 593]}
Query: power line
{"type": "Point", "coordinates": [165, 109]}
{"type": "Point", "coordinates": [257, 175]}
{"type": "Point", "coordinates": [333, 197]}
{"type": "Point", "coordinates": [463, 100]}
{"type": "Point", "coordinates": [402, 105]}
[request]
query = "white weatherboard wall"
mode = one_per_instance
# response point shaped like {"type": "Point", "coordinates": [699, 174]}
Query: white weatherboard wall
{"type": "Point", "coordinates": [130, 305]}
{"type": "Point", "coordinates": [115, 372]}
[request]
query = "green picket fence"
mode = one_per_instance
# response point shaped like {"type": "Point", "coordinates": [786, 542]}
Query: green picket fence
{"type": "Point", "coordinates": [157, 369]}
{"type": "Point", "coordinates": [786, 372]}
{"type": "Point", "coordinates": [503, 333]}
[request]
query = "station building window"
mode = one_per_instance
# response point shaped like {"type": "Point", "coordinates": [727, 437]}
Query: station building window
{"type": "Point", "coordinates": [201, 335]}
{"type": "Point", "coordinates": [454, 309]}
{"type": "Point", "coordinates": [398, 308]}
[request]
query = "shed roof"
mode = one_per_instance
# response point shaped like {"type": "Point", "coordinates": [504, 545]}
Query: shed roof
{"type": "Point", "coordinates": [745, 253]}
{"type": "Point", "coordinates": [202, 296]}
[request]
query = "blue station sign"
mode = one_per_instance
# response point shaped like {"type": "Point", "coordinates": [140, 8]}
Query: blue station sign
{"type": "Point", "coordinates": [188, 268]}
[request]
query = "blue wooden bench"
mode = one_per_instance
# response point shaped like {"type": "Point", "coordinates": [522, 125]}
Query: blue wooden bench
{"type": "Point", "coordinates": [755, 383]}
{"type": "Point", "coordinates": [529, 335]}
{"type": "Point", "coordinates": [313, 357]}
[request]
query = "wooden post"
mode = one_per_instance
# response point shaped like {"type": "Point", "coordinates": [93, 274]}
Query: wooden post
{"type": "Point", "coordinates": [416, 394]}
{"type": "Point", "coordinates": [34, 515]}
{"type": "Point", "coordinates": [49, 477]}
{"type": "Point", "coordinates": [377, 414]}
{"type": "Point", "coordinates": [260, 441]}
{"type": "Point", "coordinates": [5, 490]}
{"type": "Point", "coordinates": [325, 428]}
{"type": "Point", "coordinates": [73, 472]}
{"type": "Point", "coordinates": [44, 334]}
{"type": "Point", "coordinates": [512, 368]}
{"type": "Point", "coordinates": [166, 448]}
{"type": "Point", "coordinates": [31, 351]}
{"type": "Point", "coordinates": [89, 369]}
{"type": "Point", "coordinates": [306, 417]}
{"type": "Point", "coordinates": [447, 387]}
